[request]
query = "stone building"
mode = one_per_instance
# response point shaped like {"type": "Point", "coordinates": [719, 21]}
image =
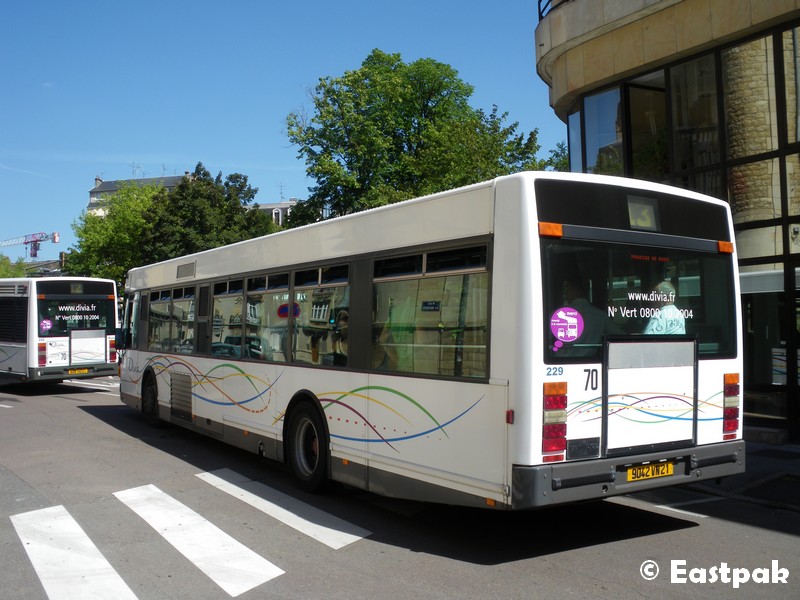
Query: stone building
{"type": "Point", "coordinates": [102, 190]}
{"type": "Point", "coordinates": [701, 94]}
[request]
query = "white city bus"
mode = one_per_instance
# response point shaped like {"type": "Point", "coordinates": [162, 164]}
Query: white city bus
{"type": "Point", "coordinates": [56, 328]}
{"type": "Point", "coordinates": [435, 349]}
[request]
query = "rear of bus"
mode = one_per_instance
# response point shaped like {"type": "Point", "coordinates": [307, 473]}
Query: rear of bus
{"type": "Point", "coordinates": [636, 364]}
{"type": "Point", "coordinates": [73, 323]}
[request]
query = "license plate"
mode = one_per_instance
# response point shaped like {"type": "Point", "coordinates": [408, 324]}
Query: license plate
{"type": "Point", "coordinates": [77, 371]}
{"type": "Point", "coordinates": [651, 471]}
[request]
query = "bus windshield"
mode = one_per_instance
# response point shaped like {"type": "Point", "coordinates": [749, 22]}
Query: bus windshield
{"type": "Point", "coordinates": [593, 289]}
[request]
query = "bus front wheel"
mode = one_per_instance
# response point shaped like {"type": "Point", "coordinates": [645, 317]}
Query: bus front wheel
{"type": "Point", "coordinates": [308, 448]}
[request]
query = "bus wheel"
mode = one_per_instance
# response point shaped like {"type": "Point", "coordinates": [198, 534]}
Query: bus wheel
{"type": "Point", "coordinates": [150, 401]}
{"type": "Point", "coordinates": [308, 449]}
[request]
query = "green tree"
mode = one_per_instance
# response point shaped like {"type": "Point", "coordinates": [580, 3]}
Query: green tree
{"type": "Point", "coordinates": [389, 131]}
{"type": "Point", "coordinates": [200, 213]}
{"type": "Point", "coordinates": [11, 269]}
{"type": "Point", "coordinates": [558, 159]}
{"type": "Point", "coordinates": [109, 245]}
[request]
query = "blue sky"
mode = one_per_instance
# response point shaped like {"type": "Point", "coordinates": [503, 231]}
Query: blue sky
{"type": "Point", "coordinates": [149, 88]}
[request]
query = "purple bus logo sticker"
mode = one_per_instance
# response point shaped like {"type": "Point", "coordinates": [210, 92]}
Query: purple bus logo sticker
{"type": "Point", "coordinates": [46, 325]}
{"type": "Point", "coordinates": [566, 324]}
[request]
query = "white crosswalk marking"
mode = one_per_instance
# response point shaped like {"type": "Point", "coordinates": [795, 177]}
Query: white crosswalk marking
{"type": "Point", "coordinates": [231, 565]}
{"type": "Point", "coordinates": [319, 525]}
{"type": "Point", "coordinates": [68, 564]}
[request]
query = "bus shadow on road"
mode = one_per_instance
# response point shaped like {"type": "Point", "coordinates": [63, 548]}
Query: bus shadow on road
{"type": "Point", "coordinates": [49, 388]}
{"type": "Point", "coordinates": [490, 537]}
{"type": "Point", "coordinates": [473, 535]}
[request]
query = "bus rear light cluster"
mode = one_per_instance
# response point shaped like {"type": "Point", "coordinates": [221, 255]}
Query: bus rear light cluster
{"type": "Point", "coordinates": [730, 407]}
{"type": "Point", "coordinates": [42, 351]}
{"type": "Point", "coordinates": [554, 421]}
{"type": "Point", "coordinates": [112, 351]}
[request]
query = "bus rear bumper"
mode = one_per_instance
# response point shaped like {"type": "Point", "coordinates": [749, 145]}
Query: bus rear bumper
{"type": "Point", "coordinates": [561, 483]}
{"type": "Point", "coordinates": [62, 373]}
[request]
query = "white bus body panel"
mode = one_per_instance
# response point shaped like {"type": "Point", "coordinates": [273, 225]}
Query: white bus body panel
{"type": "Point", "coordinates": [13, 358]}
{"type": "Point", "coordinates": [468, 212]}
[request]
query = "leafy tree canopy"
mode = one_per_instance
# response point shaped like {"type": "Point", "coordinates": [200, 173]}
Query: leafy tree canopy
{"type": "Point", "coordinates": [392, 130]}
{"type": "Point", "coordinates": [559, 158]}
{"type": "Point", "coordinates": [203, 212]}
{"type": "Point", "coordinates": [11, 269]}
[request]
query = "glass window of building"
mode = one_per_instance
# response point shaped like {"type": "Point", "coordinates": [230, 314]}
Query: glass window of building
{"type": "Point", "coordinates": [647, 114]}
{"type": "Point", "coordinates": [755, 191]}
{"type": "Point", "coordinates": [575, 142]}
{"type": "Point", "coordinates": [765, 366]}
{"type": "Point", "coordinates": [748, 77]}
{"type": "Point", "coordinates": [793, 183]}
{"type": "Point", "coordinates": [695, 119]}
{"type": "Point", "coordinates": [603, 133]}
{"type": "Point", "coordinates": [791, 69]}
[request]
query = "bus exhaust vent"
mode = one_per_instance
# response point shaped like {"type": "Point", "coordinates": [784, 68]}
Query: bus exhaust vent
{"type": "Point", "coordinates": [186, 270]}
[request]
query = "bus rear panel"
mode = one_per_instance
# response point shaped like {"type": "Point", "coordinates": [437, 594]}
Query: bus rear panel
{"type": "Point", "coordinates": [641, 351]}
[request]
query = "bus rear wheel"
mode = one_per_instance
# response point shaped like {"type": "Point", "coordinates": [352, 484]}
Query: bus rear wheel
{"type": "Point", "coordinates": [150, 401]}
{"type": "Point", "coordinates": [308, 449]}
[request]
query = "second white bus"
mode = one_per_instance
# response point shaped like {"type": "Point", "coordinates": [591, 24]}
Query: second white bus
{"type": "Point", "coordinates": [484, 346]}
{"type": "Point", "coordinates": [56, 328]}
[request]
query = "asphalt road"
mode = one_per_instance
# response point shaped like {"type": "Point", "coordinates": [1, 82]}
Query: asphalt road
{"type": "Point", "coordinates": [96, 503]}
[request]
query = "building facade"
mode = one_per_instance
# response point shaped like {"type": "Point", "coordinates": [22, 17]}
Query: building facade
{"type": "Point", "coordinates": [102, 190]}
{"type": "Point", "coordinates": [702, 94]}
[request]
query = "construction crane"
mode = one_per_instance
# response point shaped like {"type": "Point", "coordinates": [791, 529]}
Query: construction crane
{"type": "Point", "coordinates": [33, 240]}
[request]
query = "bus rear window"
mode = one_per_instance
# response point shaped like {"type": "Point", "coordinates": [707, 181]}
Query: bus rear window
{"type": "Point", "coordinates": [59, 317]}
{"type": "Point", "coordinates": [592, 290]}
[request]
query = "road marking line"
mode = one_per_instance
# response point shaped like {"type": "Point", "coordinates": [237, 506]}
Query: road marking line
{"type": "Point", "coordinates": [68, 564]}
{"type": "Point", "coordinates": [231, 565]}
{"type": "Point", "coordinates": [673, 506]}
{"type": "Point", "coordinates": [6, 406]}
{"type": "Point", "coordinates": [317, 524]}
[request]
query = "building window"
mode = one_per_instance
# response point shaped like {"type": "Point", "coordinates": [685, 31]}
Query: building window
{"type": "Point", "coordinates": [603, 133]}
{"type": "Point", "coordinates": [647, 117]}
{"type": "Point", "coordinates": [751, 115]}
{"type": "Point", "coordinates": [791, 69]}
{"type": "Point", "coordinates": [755, 191]}
{"type": "Point", "coordinates": [575, 142]}
{"type": "Point", "coordinates": [695, 119]}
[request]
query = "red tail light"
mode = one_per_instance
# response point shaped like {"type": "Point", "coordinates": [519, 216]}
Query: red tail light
{"type": "Point", "coordinates": [42, 347]}
{"type": "Point", "coordinates": [112, 351]}
{"type": "Point", "coordinates": [731, 406]}
{"type": "Point", "coordinates": [554, 421]}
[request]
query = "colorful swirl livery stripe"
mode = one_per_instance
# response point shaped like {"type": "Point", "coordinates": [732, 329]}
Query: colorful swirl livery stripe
{"type": "Point", "coordinates": [207, 388]}
{"type": "Point", "coordinates": [645, 407]}
{"type": "Point", "coordinates": [358, 393]}
{"type": "Point", "coordinates": [204, 383]}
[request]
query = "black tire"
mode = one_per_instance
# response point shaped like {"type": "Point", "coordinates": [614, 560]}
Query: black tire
{"type": "Point", "coordinates": [307, 449]}
{"type": "Point", "coordinates": [150, 400]}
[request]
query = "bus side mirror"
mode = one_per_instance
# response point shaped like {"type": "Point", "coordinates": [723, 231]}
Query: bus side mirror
{"type": "Point", "coordinates": [122, 338]}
